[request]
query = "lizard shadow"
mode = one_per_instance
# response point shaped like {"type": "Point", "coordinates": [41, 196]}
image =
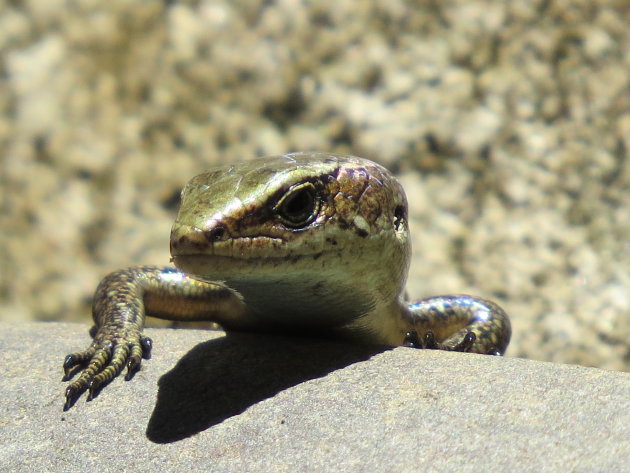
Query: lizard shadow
{"type": "Point", "coordinates": [221, 378]}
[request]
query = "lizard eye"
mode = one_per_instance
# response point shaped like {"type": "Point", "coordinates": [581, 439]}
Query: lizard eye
{"type": "Point", "coordinates": [400, 217]}
{"type": "Point", "coordinates": [298, 206]}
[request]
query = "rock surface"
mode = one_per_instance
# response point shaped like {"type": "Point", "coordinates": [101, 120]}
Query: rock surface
{"type": "Point", "coordinates": [207, 402]}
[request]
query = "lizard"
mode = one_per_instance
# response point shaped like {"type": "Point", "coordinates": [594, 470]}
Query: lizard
{"type": "Point", "coordinates": [302, 243]}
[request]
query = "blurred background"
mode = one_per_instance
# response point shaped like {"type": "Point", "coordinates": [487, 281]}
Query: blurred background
{"type": "Point", "coordinates": [508, 123]}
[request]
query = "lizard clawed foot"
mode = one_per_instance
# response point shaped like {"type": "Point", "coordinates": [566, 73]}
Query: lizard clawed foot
{"type": "Point", "coordinates": [102, 362]}
{"type": "Point", "coordinates": [428, 342]}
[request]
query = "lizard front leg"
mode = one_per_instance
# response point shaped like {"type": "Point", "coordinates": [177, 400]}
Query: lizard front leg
{"type": "Point", "coordinates": [458, 323]}
{"type": "Point", "coordinates": [121, 301]}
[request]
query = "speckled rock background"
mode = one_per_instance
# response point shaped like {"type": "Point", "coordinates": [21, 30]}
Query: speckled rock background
{"type": "Point", "coordinates": [509, 123]}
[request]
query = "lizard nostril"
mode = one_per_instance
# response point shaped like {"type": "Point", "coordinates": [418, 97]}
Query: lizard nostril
{"type": "Point", "coordinates": [188, 240]}
{"type": "Point", "coordinates": [218, 233]}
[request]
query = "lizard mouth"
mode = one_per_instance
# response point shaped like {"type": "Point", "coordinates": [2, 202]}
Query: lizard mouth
{"type": "Point", "coordinates": [215, 241]}
{"type": "Point", "coordinates": [215, 253]}
{"type": "Point", "coordinates": [234, 269]}
{"type": "Point", "coordinates": [206, 266]}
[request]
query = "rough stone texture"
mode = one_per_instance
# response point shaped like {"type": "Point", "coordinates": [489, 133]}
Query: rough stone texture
{"type": "Point", "coordinates": [510, 122]}
{"type": "Point", "coordinates": [206, 402]}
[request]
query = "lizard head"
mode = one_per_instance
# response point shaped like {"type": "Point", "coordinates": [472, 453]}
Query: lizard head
{"type": "Point", "coordinates": [307, 232]}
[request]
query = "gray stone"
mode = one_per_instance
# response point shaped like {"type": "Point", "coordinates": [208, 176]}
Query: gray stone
{"type": "Point", "coordinates": [210, 402]}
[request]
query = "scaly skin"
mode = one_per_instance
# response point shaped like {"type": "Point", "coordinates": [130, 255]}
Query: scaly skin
{"type": "Point", "coordinates": [305, 243]}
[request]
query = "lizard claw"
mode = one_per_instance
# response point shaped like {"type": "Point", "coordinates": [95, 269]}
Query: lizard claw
{"type": "Point", "coordinates": [147, 345]}
{"type": "Point", "coordinates": [102, 362]}
{"type": "Point", "coordinates": [72, 394]}
{"type": "Point", "coordinates": [466, 344]}
{"type": "Point", "coordinates": [69, 363]}
{"type": "Point", "coordinates": [137, 354]}
{"type": "Point", "coordinates": [133, 366]}
{"type": "Point", "coordinates": [73, 362]}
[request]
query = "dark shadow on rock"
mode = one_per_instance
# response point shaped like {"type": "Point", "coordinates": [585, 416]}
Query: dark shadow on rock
{"type": "Point", "coordinates": [221, 378]}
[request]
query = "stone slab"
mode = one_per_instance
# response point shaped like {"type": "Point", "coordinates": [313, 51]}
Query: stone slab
{"type": "Point", "coordinates": [210, 402]}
